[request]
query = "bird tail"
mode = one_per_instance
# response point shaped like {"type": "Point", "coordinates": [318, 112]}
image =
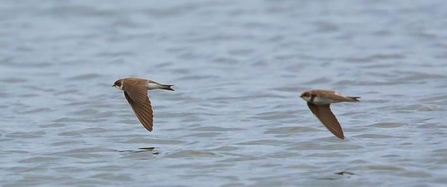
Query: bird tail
{"type": "Point", "coordinates": [155, 85]}
{"type": "Point", "coordinates": [355, 98]}
{"type": "Point", "coordinates": [167, 87]}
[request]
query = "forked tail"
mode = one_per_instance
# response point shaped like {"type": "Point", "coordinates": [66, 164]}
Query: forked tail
{"type": "Point", "coordinates": [167, 87]}
{"type": "Point", "coordinates": [151, 85]}
{"type": "Point", "coordinates": [355, 98]}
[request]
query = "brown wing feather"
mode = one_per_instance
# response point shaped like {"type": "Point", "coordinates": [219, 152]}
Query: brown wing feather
{"type": "Point", "coordinates": [143, 110]}
{"type": "Point", "coordinates": [136, 94]}
{"type": "Point", "coordinates": [136, 88]}
{"type": "Point", "coordinates": [325, 115]}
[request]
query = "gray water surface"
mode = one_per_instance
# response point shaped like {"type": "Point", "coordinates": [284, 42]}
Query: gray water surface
{"type": "Point", "coordinates": [236, 118]}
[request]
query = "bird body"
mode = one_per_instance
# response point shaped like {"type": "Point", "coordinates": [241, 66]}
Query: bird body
{"type": "Point", "coordinates": [136, 93]}
{"type": "Point", "coordinates": [319, 102]}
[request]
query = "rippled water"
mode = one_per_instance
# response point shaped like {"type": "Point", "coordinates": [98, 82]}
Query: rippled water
{"type": "Point", "coordinates": [236, 118]}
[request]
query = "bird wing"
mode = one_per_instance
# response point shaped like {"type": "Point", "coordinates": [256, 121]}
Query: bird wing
{"type": "Point", "coordinates": [325, 115]}
{"type": "Point", "coordinates": [143, 111]}
{"type": "Point", "coordinates": [136, 89]}
{"type": "Point", "coordinates": [135, 92]}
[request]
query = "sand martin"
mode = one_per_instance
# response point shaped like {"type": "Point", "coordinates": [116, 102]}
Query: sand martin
{"type": "Point", "coordinates": [135, 91]}
{"type": "Point", "coordinates": [319, 102]}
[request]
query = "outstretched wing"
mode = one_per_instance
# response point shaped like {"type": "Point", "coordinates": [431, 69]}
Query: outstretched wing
{"type": "Point", "coordinates": [143, 111]}
{"type": "Point", "coordinates": [135, 91]}
{"type": "Point", "coordinates": [325, 115]}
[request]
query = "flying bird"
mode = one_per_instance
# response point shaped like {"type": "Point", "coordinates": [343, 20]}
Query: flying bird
{"type": "Point", "coordinates": [319, 102]}
{"type": "Point", "coordinates": [135, 91]}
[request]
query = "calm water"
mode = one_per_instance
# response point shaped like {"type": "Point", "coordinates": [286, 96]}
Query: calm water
{"type": "Point", "coordinates": [236, 118]}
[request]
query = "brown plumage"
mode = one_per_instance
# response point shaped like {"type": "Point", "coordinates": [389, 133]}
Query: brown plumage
{"type": "Point", "coordinates": [135, 91]}
{"type": "Point", "coordinates": [319, 102]}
